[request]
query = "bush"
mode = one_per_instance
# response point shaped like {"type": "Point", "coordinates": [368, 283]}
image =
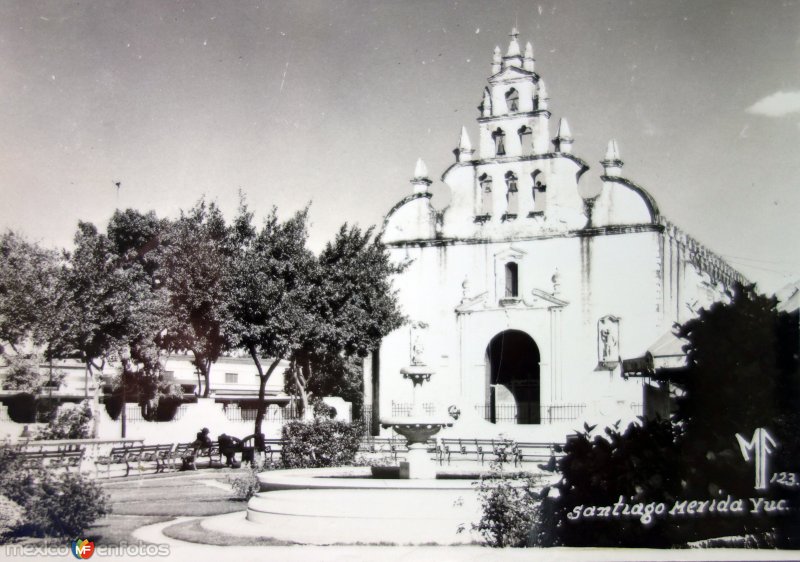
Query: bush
{"type": "Point", "coordinates": [66, 504]}
{"type": "Point", "coordinates": [641, 464]}
{"type": "Point", "coordinates": [320, 443]}
{"type": "Point", "coordinates": [246, 485]}
{"type": "Point", "coordinates": [510, 509]}
{"type": "Point", "coordinates": [55, 504]}
{"type": "Point", "coordinates": [69, 422]}
{"type": "Point", "coordinates": [113, 406]}
{"type": "Point", "coordinates": [11, 516]}
{"type": "Point", "coordinates": [22, 407]}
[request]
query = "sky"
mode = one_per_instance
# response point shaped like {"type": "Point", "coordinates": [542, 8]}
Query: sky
{"type": "Point", "coordinates": [332, 102]}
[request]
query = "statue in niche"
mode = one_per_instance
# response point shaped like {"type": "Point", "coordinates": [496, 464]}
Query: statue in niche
{"type": "Point", "coordinates": [608, 339]}
{"type": "Point", "coordinates": [418, 333]}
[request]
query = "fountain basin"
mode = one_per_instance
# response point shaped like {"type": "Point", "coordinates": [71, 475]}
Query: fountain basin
{"type": "Point", "coordinates": [345, 505]}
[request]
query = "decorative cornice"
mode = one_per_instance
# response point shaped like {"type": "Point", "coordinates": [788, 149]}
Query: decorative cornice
{"type": "Point", "coordinates": [403, 201]}
{"type": "Point", "coordinates": [652, 206]}
{"type": "Point", "coordinates": [704, 259]}
{"type": "Point", "coordinates": [584, 167]}
{"type": "Point", "coordinates": [582, 233]}
{"type": "Point", "coordinates": [535, 113]}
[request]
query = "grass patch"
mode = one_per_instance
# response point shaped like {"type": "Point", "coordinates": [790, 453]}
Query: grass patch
{"type": "Point", "coordinates": [193, 531]}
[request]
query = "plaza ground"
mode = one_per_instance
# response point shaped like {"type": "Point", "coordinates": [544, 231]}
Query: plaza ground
{"type": "Point", "coordinates": [168, 509]}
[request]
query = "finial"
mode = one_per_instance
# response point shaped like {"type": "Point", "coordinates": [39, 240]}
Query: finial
{"type": "Point", "coordinates": [612, 153]}
{"type": "Point", "coordinates": [556, 279]}
{"type": "Point", "coordinates": [563, 129]}
{"type": "Point", "coordinates": [513, 45]}
{"type": "Point", "coordinates": [464, 151]}
{"type": "Point", "coordinates": [486, 103]}
{"type": "Point", "coordinates": [465, 289]}
{"type": "Point", "coordinates": [612, 164]}
{"type": "Point", "coordinates": [497, 60]}
{"type": "Point", "coordinates": [527, 63]}
{"type": "Point", "coordinates": [420, 170]}
{"type": "Point", "coordinates": [420, 180]}
{"type": "Point", "coordinates": [563, 141]}
{"type": "Point", "coordinates": [463, 142]}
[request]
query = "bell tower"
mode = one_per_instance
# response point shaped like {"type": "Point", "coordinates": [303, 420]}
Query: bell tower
{"type": "Point", "coordinates": [514, 120]}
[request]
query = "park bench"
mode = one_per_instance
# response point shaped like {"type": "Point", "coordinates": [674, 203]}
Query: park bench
{"type": "Point", "coordinates": [536, 452]}
{"type": "Point", "coordinates": [157, 454]}
{"type": "Point", "coordinates": [61, 458]}
{"type": "Point", "coordinates": [383, 445]}
{"type": "Point", "coordinates": [117, 455]}
{"type": "Point", "coordinates": [272, 447]}
{"type": "Point", "coordinates": [160, 455]}
{"type": "Point", "coordinates": [197, 452]}
{"type": "Point", "coordinates": [501, 449]}
{"type": "Point", "coordinates": [181, 453]}
{"type": "Point", "coordinates": [449, 446]}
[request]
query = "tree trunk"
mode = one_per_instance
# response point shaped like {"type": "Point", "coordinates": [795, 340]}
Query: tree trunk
{"type": "Point", "coordinates": [262, 387]}
{"type": "Point", "coordinates": [203, 366]}
{"type": "Point", "coordinates": [95, 399]}
{"type": "Point", "coordinates": [301, 372]}
{"type": "Point", "coordinates": [207, 377]}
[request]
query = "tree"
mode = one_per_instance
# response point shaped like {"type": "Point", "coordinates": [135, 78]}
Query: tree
{"type": "Point", "coordinates": [194, 263]}
{"type": "Point", "coordinates": [741, 375]}
{"type": "Point", "coordinates": [28, 276]}
{"type": "Point", "coordinates": [353, 309]}
{"type": "Point", "coordinates": [106, 308]}
{"type": "Point", "coordinates": [271, 291]}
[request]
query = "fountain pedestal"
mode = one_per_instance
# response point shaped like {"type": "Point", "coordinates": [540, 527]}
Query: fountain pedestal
{"type": "Point", "coordinates": [417, 428]}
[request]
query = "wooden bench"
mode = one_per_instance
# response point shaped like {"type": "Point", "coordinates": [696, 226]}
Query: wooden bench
{"type": "Point", "coordinates": [383, 445]}
{"type": "Point", "coordinates": [272, 447]}
{"type": "Point", "coordinates": [536, 452]}
{"type": "Point", "coordinates": [202, 452]}
{"type": "Point", "coordinates": [60, 458]}
{"type": "Point", "coordinates": [160, 455]}
{"type": "Point", "coordinates": [157, 454]}
{"type": "Point", "coordinates": [181, 453]}
{"type": "Point", "coordinates": [450, 446]}
{"type": "Point", "coordinates": [117, 455]}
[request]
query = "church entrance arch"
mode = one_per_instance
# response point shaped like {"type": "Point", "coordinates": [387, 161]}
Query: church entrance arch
{"type": "Point", "coordinates": [512, 361]}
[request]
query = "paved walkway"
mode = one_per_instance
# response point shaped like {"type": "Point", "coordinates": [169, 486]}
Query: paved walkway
{"type": "Point", "coordinates": [180, 550]}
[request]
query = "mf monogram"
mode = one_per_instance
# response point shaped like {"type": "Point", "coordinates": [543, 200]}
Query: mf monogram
{"type": "Point", "coordinates": [760, 447]}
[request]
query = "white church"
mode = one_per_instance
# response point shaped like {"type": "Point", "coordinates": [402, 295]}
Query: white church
{"type": "Point", "coordinates": [525, 296]}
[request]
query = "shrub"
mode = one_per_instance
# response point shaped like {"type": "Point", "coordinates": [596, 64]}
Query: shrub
{"type": "Point", "coordinates": [56, 504]}
{"type": "Point", "coordinates": [21, 407]}
{"type": "Point", "coordinates": [65, 505]}
{"type": "Point", "coordinates": [69, 422]}
{"type": "Point", "coordinates": [246, 485]}
{"type": "Point", "coordinates": [509, 506]}
{"type": "Point", "coordinates": [320, 443]}
{"type": "Point", "coordinates": [11, 516]}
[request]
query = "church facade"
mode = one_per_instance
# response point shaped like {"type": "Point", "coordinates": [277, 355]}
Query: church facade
{"type": "Point", "coordinates": [524, 294]}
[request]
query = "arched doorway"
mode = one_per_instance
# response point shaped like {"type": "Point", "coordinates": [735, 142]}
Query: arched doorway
{"type": "Point", "coordinates": [512, 360]}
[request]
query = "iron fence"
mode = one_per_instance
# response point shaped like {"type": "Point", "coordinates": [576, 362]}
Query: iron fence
{"type": "Point", "coordinates": [273, 413]}
{"type": "Point", "coordinates": [530, 412]}
{"type": "Point", "coordinates": [133, 414]}
{"type": "Point", "coordinates": [403, 409]}
{"type": "Point", "coordinates": [366, 418]}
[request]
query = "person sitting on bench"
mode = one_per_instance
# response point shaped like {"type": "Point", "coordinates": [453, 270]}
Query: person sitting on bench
{"type": "Point", "coordinates": [203, 441]}
{"type": "Point", "coordinates": [229, 446]}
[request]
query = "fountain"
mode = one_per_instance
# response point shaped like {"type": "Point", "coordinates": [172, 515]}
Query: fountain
{"type": "Point", "coordinates": [417, 427]}
{"type": "Point", "coordinates": [353, 505]}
